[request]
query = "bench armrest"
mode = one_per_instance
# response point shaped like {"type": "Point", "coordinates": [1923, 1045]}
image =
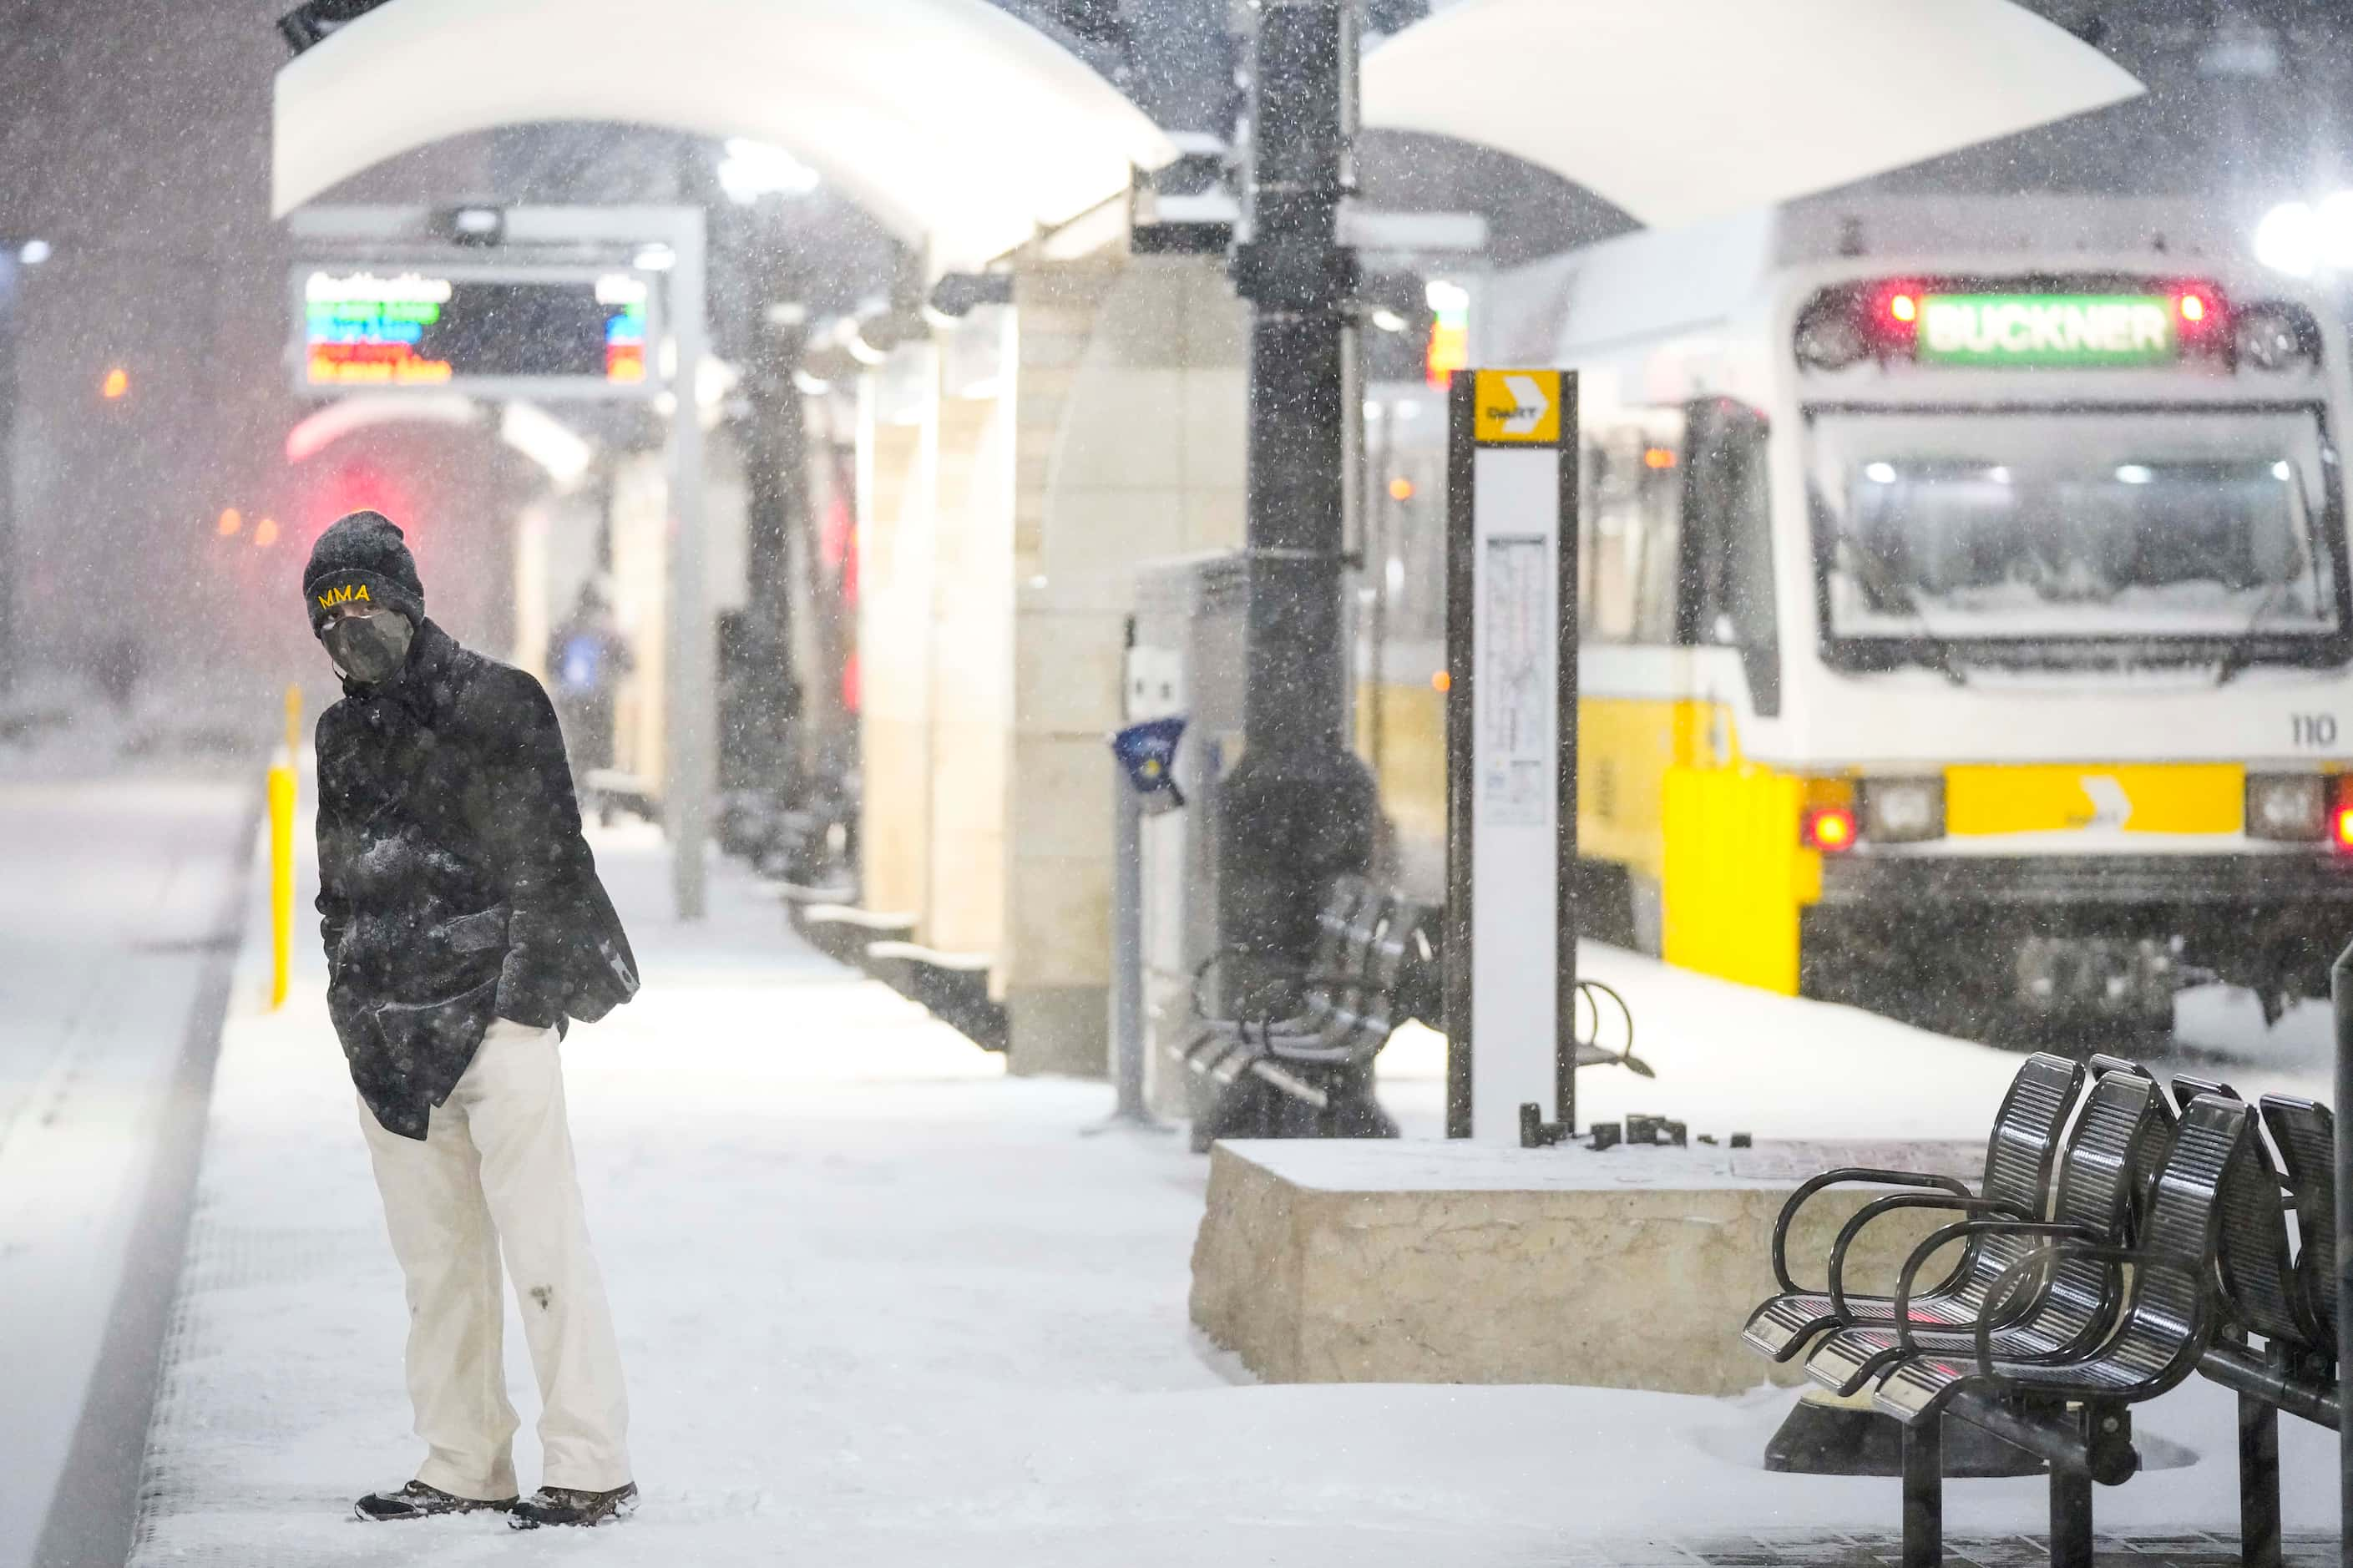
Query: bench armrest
{"type": "Point", "coordinates": [1877, 1207]}
{"type": "Point", "coordinates": [2117, 1257]}
{"type": "Point", "coordinates": [1858, 1173]}
{"type": "Point", "coordinates": [1201, 972]}
{"type": "Point", "coordinates": [1909, 1278]}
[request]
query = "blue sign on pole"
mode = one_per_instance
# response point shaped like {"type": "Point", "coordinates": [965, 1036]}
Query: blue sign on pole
{"type": "Point", "coordinates": [1147, 754]}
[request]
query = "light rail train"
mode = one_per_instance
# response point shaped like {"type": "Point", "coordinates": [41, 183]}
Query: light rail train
{"type": "Point", "coordinates": [1966, 627]}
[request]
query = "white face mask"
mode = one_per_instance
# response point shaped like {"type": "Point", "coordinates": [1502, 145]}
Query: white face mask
{"type": "Point", "coordinates": [370, 649]}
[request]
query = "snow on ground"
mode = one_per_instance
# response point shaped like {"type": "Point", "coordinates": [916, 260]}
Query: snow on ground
{"type": "Point", "coordinates": [115, 899]}
{"type": "Point", "coordinates": [882, 1304]}
{"type": "Point", "coordinates": [1732, 1058]}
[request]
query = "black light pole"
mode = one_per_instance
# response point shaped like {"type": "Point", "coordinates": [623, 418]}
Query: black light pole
{"type": "Point", "coordinates": [1298, 808]}
{"type": "Point", "coordinates": [775, 521]}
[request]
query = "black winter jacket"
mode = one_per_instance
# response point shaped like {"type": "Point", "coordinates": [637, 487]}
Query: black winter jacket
{"type": "Point", "coordinates": [454, 885]}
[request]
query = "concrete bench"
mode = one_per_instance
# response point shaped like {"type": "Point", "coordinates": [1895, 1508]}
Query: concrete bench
{"type": "Point", "coordinates": [1452, 1262]}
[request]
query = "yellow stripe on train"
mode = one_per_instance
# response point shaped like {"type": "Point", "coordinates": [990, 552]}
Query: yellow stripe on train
{"type": "Point", "coordinates": [2139, 797]}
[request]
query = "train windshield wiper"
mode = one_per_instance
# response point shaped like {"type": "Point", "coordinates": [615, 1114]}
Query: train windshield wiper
{"type": "Point", "coordinates": [2242, 647]}
{"type": "Point", "coordinates": [1942, 656]}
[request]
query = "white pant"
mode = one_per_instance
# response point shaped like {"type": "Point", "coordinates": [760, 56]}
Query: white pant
{"type": "Point", "coordinates": [495, 1171]}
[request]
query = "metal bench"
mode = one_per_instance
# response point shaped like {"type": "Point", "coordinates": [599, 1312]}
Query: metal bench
{"type": "Point", "coordinates": [1363, 938]}
{"type": "Point", "coordinates": [2164, 1251]}
{"type": "Point", "coordinates": [2062, 1314]}
{"type": "Point", "coordinates": [2073, 1411]}
{"type": "Point", "coordinates": [2286, 1296]}
{"type": "Point", "coordinates": [2019, 1157]}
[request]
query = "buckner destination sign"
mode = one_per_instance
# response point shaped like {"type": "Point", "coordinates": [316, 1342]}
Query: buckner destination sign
{"type": "Point", "coordinates": [2046, 330]}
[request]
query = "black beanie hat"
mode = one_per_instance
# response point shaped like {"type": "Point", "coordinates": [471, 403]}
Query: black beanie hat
{"type": "Point", "coordinates": [362, 556]}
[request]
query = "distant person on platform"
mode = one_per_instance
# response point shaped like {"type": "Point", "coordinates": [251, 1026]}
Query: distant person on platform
{"type": "Point", "coordinates": [464, 923]}
{"type": "Point", "coordinates": [587, 656]}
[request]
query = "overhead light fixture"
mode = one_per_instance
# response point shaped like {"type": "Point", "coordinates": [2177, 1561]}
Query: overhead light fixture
{"type": "Point", "coordinates": [656, 257]}
{"type": "Point", "coordinates": [32, 252]}
{"type": "Point", "coordinates": [750, 170]}
{"type": "Point", "coordinates": [2288, 239]}
{"type": "Point", "coordinates": [1388, 321]}
{"type": "Point", "coordinates": [473, 226]}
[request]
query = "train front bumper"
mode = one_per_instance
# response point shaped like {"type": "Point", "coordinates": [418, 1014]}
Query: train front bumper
{"type": "Point", "coordinates": [2110, 934]}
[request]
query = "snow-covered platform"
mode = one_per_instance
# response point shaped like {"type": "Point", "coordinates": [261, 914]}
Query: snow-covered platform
{"type": "Point", "coordinates": [1415, 1262]}
{"type": "Point", "coordinates": [882, 1305]}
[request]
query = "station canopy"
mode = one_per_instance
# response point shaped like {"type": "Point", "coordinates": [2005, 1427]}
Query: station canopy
{"type": "Point", "coordinates": [1682, 109]}
{"type": "Point", "coordinates": [959, 127]}
{"type": "Point", "coordinates": [965, 131]}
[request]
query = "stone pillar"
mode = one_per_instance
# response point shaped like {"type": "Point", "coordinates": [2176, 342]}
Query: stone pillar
{"type": "Point", "coordinates": [972, 629]}
{"type": "Point", "coordinates": [898, 455]}
{"type": "Point", "coordinates": [1131, 440]}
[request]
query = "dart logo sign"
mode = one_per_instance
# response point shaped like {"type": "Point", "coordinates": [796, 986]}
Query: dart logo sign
{"type": "Point", "coordinates": [1518, 406]}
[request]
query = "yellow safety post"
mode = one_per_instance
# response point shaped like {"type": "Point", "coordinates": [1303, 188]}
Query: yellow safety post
{"type": "Point", "coordinates": [281, 852]}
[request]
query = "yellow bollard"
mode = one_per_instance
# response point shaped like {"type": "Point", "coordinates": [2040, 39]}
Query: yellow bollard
{"type": "Point", "coordinates": [281, 852]}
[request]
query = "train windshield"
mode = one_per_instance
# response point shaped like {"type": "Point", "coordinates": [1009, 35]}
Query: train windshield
{"type": "Point", "coordinates": [2025, 536]}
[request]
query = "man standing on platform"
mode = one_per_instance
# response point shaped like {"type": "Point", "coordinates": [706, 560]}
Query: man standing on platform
{"type": "Point", "coordinates": [464, 923]}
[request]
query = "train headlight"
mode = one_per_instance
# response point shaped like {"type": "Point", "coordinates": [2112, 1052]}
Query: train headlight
{"type": "Point", "coordinates": [1828, 335]}
{"type": "Point", "coordinates": [2277, 337]}
{"type": "Point", "coordinates": [2292, 806]}
{"type": "Point", "coordinates": [1900, 811]}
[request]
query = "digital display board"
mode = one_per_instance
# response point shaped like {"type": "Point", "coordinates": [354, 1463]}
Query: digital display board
{"type": "Point", "coordinates": [373, 329]}
{"type": "Point", "coordinates": [2088, 329]}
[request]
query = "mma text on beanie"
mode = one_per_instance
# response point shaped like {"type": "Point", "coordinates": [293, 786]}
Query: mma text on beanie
{"type": "Point", "coordinates": [362, 556]}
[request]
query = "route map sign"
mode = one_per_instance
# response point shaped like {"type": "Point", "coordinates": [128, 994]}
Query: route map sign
{"type": "Point", "coordinates": [549, 333]}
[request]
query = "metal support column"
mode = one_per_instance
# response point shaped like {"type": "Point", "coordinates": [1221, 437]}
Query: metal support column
{"type": "Point", "coordinates": [690, 731]}
{"type": "Point", "coordinates": [1298, 808]}
{"type": "Point", "coordinates": [2259, 1483]}
{"type": "Point", "coordinates": [1127, 954]}
{"type": "Point", "coordinates": [2071, 1518]}
{"type": "Point", "coordinates": [776, 532]}
{"type": "Point", "coordinates": [1924, 1494]}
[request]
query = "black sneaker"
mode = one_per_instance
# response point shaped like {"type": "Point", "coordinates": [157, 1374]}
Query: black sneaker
{"type": "Point", "coordinates": [417, 1501]}
{"type": "Point", "coordinates": [563, 1505]}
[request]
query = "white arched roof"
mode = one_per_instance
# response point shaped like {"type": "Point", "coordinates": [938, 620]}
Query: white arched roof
{"type": "Point", "coordinates": [952, 122]}
{"type": "Point", "coordinates": [1680, 109]}
{"type": "Point", "coordinates": [964, 129]}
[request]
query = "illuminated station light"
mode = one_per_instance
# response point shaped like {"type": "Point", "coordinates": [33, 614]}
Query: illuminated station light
{"type": "Point", "coordinates": [1450, 331]}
